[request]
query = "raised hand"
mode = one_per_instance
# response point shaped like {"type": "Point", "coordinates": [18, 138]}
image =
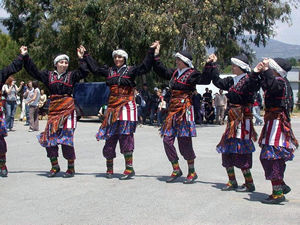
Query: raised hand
{"type": "Point", "coordinates": [157, 47]}
{"type": "Point", "coordinates": [80, 51]}
{"type": "Point", "coordinates": [23, 50]}
{"type": "Point", "coordinates": [212, 58]}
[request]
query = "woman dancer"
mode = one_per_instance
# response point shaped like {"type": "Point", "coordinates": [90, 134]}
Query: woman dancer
{"type": "Point", "coordinates": [62, 115]}
{"type": "Point", "coordinates": [180, 117]}
{"type": "Point", "coordinates": [236, 144]}
{"type": "Point", "coordinates": [277, 140]}
{"type": "Point", "coordinates": [121, 117]}
{"type": "Point", "coordinates": [14, 67]}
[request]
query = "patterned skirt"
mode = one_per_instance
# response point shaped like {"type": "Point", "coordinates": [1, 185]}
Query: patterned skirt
{"type": "Point", "coordinates": [62, 136]}
{"type": "Point", "coordinates": [119, 127]}
{"type": "Point", "coordinates": [270, 152]}
{"type": "Point", "coordinates": [184, 129]}
{"type": "Point", "coordinates": [3, 130]}
{"type": "Point", "coordinates": [236, 145]}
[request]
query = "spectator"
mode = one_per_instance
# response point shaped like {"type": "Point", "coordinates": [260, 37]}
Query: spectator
{"type": "Point", "coordinates": [153, 106]}
{"type": "Point", "coordinates": [33, 107]}
{"type": "Point", "coordinates": [22, 99]}
{"type": "Point", "coordinates": [10, 90]}
{"type": "Point", "coordinates": [256, 108]}
{"type": "Point", "coordinates": [210, 113]}
{"type": "Point", "coordinates": [162, 108]}
{"type": "Point", "coordinates": [139, 102]}
{"type": "Point", "coordinates": [197, 100]}
{"type": "Point", "coordinates": [207, 97]}
{"type": "Point", "coordinates": [42, 103]}
{"type": "Point", "coordinates": [220, 104]}
{"type": "Point", "coordinates": [146, 97]}
{"type": "Point", "coordinates": [27, 96]}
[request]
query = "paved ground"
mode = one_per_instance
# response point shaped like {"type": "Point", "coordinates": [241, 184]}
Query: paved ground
{"type": "Point", "coordinates": [27, 196]}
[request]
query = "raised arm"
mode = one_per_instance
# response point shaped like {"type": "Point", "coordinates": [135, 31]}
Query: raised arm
{"type": "Point", "coordinates": [31, 68]}
{"type": "Point", "coordinates": [14, 67]}
{"type": "Point", "coordinates": [210, 70]}
{"type": "Point", "coordinates": [147, 63]}
{"type": "Point", "coordinates": [159, 68]}
{"type": "Point", "coordinates": [92, 64]}
{"type": "Point", "coordinates": [83, 70]}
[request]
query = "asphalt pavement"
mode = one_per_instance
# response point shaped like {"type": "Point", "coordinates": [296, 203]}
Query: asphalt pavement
{"type": "Point", "coordinates": [27, 196]}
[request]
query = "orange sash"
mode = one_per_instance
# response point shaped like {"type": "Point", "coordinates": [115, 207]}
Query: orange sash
{"type": "Point", "coordinates": [119, 96]}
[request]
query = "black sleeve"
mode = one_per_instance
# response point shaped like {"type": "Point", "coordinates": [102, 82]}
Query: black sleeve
{"type": "Point", "coordinates": [161, 70]}
{"type": "Point", "coordinates": [14, 67]}
{"type": "Point", "coordinates": [270, 83]}
{"type": "Point", "coordinates": [94, 67]}
{"type": "Point", "coordinates": [224, 83]}
{"type": "Point", "coordinates": [146, 65]}
{"type": "Point", "coordinates": [254, 82]}
{"type": "Point", "coordinates": [30, 67]}
{"type": "Point", "coordinates": [209, 71]}
{"type": "Point", "coordinates": [81, 72]}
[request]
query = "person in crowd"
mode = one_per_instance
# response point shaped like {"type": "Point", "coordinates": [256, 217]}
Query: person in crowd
{"type": "Point", "coordinates": [210, 113]}
{"type": "Point", "coordinates": [22, 105]}
{"type": "Point", "coordinates": [180, 118]}
{"type": "Point", "coordinates": [42, 104]}
{"type": "Point", "coordinates": [61, 121]}
{"type": "Point", "coordinates": [120, 120]}
{"type": "Point", "coordinates": [220, 101]}
{"type": "Point", "coordinates": [279, 148]}
{"type": "Point", "coordinates": [33, 107]}
{"type": "Point", "coordinates": [162, 107]}
{"type": "Point", "coordinates": [197, 101]}
{"type": "Point", "coordinates": [256, 108]}
{"type": "Point", "coordinates": [10, 91]}
{"type": "Point", "coordinates": [236, 144]}
{"type": "Point", "coordinates": [154, 101]}
{"type": "Point", "coordinates": [207, 97]}
{"type": "Point", "coordinates": [140, 102]}
{"type": "Point", "coordinates": [13, 68]}
{"type": "Point", "coordinates": [146, 96]}
{"type": "Point", "coordinates": [28, 94]}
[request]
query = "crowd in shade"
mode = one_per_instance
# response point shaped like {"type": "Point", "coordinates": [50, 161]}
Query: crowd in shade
{"type": "Point", "coordinates": [209, 107]}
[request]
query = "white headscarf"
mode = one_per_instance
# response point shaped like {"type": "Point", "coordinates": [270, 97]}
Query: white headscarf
{"type": "Point", "coordinates": [274, 65]}
{"type": "Point", "coordinates": [61, 57]}
{"type": "Point", "coordinates": [120, 52]}
{"type": "Point", "coordinates": [241, 64]}
{"type": "Point", "coordinates": [184, 59]}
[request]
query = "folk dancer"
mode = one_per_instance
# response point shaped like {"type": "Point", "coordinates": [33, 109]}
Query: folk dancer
{"type": "Point", "coordinates": [61, 122]}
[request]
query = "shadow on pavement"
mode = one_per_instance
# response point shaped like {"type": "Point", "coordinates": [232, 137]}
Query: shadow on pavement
{"type": "Point", "coordinates": [214, 185]}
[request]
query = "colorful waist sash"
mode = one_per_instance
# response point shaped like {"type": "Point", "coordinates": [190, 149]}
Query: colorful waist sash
{"type": "Point", "coordinates": [61, 107]}
{"type": "Point", "coordinates": [239, 115]}
{"type": "Point", "coordinates": [119, 96]}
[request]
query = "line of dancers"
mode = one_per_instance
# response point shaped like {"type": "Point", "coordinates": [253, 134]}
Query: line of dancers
{"type": "Point", "coordinates": [276, 140]}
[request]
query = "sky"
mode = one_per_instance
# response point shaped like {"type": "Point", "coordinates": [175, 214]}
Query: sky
{"type": "Point", "coordinates": [285, 33]}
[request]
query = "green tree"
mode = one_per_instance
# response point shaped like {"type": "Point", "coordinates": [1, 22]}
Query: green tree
{"type": "Point", "coordinates": [9, 51]}
{"type": "Point", "coordinates": [51, 26]}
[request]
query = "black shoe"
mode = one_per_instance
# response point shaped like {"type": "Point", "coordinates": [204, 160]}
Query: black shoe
{"type": "Point", "coordinates": [246, 188]}
{"type": "Point", "coordinates": [230, 186]}
{"type": "Point", "coordinates": [68, 174]}
{"type": "Point", "coordinates": [286, 189]}
{"type": "Point", "coordinates": [53, 172]}
{"type": "Point", "coordinates": [109, 175]}
{"type": "Point", "coordinates": [173, 178]}
{"type": "Point", "coordinates": [272, 200]}
{"type": "Point", "coordinates": [3, 171]}
{"type": "Point", "coordinates": [127, 176]}
{"type": "Point", "coordinates": [190, 179]}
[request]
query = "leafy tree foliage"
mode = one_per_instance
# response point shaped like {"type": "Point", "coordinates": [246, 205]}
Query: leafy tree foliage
{"type": "Point", "coordinates": [50, 27]}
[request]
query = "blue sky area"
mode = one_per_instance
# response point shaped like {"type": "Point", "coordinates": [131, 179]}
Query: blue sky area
{"type": "Point", "coordinates": [284, 32]}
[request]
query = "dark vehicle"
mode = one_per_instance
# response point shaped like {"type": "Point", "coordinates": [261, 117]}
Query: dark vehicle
{"type": "Point", "coordinates": [90, 97]}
